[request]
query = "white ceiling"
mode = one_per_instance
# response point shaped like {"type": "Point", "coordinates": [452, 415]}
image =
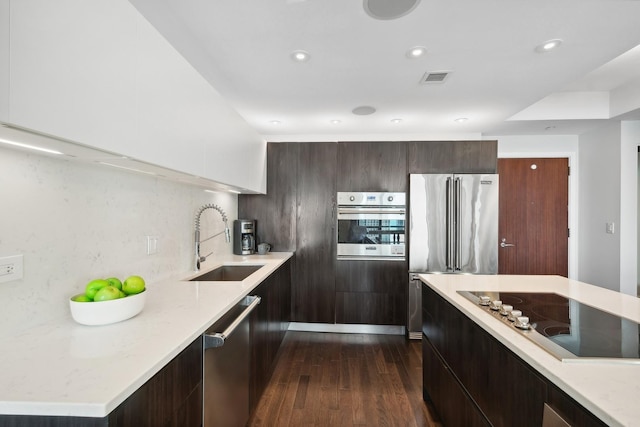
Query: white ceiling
{"type": "Point", "coordinates": [243, 47]}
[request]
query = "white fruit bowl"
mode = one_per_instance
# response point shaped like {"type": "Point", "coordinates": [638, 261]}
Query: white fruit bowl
{"type": "Point", "coordinates": [106, 312]}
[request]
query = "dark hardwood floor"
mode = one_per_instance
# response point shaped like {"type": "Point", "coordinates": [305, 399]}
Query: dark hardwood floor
{"type": "Point", "coordinates": [324, 379]}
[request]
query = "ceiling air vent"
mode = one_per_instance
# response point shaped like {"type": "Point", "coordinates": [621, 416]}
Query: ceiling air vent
{"type": "Point", "coordinates": [434, 77]}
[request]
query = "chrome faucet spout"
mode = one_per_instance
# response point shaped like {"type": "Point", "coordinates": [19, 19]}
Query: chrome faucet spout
{"type": "Point", "coordinates": [197, 241]}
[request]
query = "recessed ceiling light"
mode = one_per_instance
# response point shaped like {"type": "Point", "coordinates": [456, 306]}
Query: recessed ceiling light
{"type": "Point", "coordinates": [363, 110]}
{"type": "Point", "coordinates": [335, 122]}
{"type": "Point", "coordinates": [275, 122]}
{"type": "Point", "coordinates": [300, 56]}
{"type": "Point", "coordinates": [548, 45]}
{"type": "Point", "coordinates": [461, 120]}
{"type": "Point", "coordinates": [396, 120]}
{"type": "Point", "coordinates": [416, 52]}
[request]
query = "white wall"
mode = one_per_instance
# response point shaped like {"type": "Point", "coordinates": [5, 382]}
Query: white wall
{"type": "Point", "coordinates": [4, 59]}
{"type": "Point", "coordinates": [74, 222]}
{"type": "Point", "coordinates": [553, 146]}
{"type": "Point", "coordinates": [600, 167]}
{"type": "Point", "coordinates": [629, 142]}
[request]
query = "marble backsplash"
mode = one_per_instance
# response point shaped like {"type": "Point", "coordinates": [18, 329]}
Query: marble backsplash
{"type": "Point", "coordinates": [75, 221]}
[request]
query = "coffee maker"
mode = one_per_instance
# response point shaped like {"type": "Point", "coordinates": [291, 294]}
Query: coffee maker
{"type": "Point", "coordinates": [244, 236]}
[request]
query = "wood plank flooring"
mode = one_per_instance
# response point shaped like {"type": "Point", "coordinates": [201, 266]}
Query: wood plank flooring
{"type": "Point", "coordinates": [324, 379]}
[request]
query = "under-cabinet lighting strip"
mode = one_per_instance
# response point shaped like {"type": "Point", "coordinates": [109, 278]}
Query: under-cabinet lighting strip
{"type": "Point", "coordinates": [30, 147]}
{"type": "Point", "coordinates": [126, 168]}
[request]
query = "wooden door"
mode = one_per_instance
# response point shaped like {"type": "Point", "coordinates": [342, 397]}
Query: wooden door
{"type": "Point", "coordinates": [534, 200]}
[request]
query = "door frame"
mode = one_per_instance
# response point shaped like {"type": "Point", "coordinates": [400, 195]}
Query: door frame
{"type": "Point", "coordinates": [573, 198]}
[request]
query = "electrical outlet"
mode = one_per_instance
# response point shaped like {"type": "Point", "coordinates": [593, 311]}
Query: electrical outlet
{"type": "Point", "coordinates": [11, 268]}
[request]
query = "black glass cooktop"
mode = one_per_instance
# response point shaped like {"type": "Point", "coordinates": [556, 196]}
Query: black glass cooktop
{"type": "Point", "coordinates": [568, 329]}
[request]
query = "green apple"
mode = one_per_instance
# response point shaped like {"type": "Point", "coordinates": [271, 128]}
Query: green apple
{"type": "Point", "coordinates": [122, 294]}
{"type": "Point", "coordinates": [107, 293]}
{"type": "Point", "coordinates": [80, 298]}
{"type": "Point", "coordinates": [133, 285]}
{"type": "Point", "coordinates": [115, 282]}
{"type": "Point", "coordinates": [94, 286]}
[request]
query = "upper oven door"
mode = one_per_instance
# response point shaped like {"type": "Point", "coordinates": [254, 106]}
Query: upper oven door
{"type": "Point", "coordinates": [371, 233]}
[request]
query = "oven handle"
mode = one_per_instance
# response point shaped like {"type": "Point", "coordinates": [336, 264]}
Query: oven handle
{"type": "Point", "coordinates": [393, 211]}
{"type": "Point", "coordinates": [369, 258]}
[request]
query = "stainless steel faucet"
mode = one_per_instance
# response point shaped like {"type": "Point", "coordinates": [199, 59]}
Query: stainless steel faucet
{"type": "Point", "coordinates": [227, 234]}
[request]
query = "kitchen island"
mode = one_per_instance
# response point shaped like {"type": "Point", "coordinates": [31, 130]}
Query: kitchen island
{"type": "Point", "coordinates": [71, 370]}
{"type": "Point", "coordinates": [606, 391]}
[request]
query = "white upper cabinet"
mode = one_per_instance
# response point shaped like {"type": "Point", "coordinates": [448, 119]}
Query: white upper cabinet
{"type": "Point", "coordinates": [99, 74]}
{"type": "Point", "coordinates": [185, 123]}
{"type": "Point", "coordinates": [73, 70]}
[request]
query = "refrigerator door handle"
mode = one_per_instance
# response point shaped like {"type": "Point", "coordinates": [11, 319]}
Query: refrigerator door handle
{"type": "Point", "coordinates": [449, 225]}
{"type": "Point", "coordinates": [458, 230]}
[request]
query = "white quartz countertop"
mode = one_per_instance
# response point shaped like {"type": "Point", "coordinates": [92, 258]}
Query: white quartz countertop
{"type": "Point", "coordinates": [610, 390]}
{"type": "Point", "coordinates": [69, 369]}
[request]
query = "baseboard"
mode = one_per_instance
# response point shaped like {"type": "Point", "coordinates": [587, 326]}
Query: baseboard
{"type": "Point", "coordinates": [342, 328]}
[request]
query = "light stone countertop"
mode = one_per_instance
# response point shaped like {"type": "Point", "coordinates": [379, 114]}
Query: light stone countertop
{"type": "Point", "coordinates": [69, 369]}
{"type": "Point", "coordinates": [610, 390]}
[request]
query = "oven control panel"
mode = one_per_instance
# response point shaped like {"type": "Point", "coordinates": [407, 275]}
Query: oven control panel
{"type": "Point", "coordinates": [371, 199]}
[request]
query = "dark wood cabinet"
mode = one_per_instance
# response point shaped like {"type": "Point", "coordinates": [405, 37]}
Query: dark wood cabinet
{"type": "Point", "coordinates": [452, 156]}
{"type": "Point", "coordinates": [275, 213]}
{"type": "Point", "coordinates": [298, 214]}
{"type": "Point", "coordinates": [454, 405]}
{"type": "Point", "coordinates": [314, 270]}
{"type": "Point", "coordinates": [480, 372]}
{"type": "Point", "coordinates": [372, 166]}
{"type": "Point", "coordinates": [371, 292]}
{"type": "Point", "coordinates": [269, 324]}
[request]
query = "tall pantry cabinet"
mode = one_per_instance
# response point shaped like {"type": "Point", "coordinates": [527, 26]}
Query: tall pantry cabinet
{"type": "Point", "coordinates": [298, 213]}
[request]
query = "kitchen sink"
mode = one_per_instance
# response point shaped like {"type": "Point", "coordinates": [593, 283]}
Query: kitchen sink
{"type": "Point", "coordinates": [227, 273]}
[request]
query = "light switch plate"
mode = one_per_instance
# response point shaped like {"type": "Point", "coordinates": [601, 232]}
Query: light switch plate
{"type": "Point", "coordinates": [611, 228]}
{"type": "Point", "coordinates": [152, 245]}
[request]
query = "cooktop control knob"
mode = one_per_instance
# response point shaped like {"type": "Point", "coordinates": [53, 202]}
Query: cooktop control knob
{"type": "Point", "coordinates": [390, 198]}
{"type": "Point", "coordinates": [485, 300]}
{"type": "Point", "coordinates": [495, 305]}
{"type": "Point", "coordinates": [514, 315]}
{"type": "Point", "coordinates": [505, 309]}
{"type": "Point", "coordinates": [522, 322]}
{"type": "Point", "coordinates": [352, 198]}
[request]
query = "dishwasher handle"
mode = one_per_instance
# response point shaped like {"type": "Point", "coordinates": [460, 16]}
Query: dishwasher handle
{"type": "Point", "coordinates": [217, 339]}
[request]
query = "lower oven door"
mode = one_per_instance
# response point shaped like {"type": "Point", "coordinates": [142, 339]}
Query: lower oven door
{"type": "Point", "coordinates": [375, 233]}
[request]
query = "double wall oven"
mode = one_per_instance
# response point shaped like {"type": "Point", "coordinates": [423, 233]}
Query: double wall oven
{"type": "Point", "coordinates": [371, 226]}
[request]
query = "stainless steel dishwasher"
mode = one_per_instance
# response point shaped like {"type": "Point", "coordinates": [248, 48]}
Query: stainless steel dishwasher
{"type": "Point", "coordinates": [226, 367]}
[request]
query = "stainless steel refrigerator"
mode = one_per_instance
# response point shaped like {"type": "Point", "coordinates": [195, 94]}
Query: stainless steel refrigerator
{"type": "Point", "coordinates": [453, 228]}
